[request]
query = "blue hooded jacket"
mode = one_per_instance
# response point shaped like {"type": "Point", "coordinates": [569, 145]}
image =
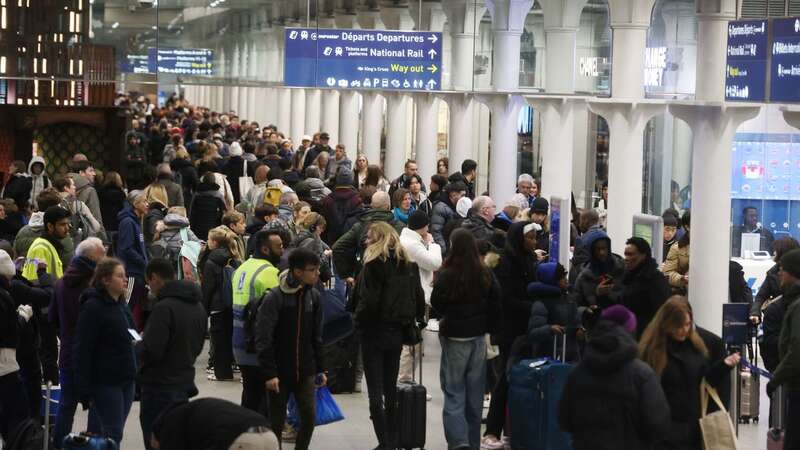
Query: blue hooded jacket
{"type": "Point", "coordinates": [130, 242]}
{"type": "Point", "coordinates": [547, 284]}
{"type": "Point", "coordinates": [589, 240]}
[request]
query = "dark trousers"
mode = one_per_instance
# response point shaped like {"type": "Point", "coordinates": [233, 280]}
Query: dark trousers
{"type": "Point", "coordinates": [110, 408]}
{"type": "Point", "coordinates": [66, 407]}
{"type": "Point", "coordinates": [305, 395]}
{"type": "Point", "coordinates": [792, 425]}
{"type": "Point", "coordinates": [13, 404]}
{"type": "Point", "coordinates": [155, 399]}
{"type": "Point", "coordinates": [496, 417]}
{"type": "Point", "coordinates": [381, 357]}
{"type": "Point", "coordinates": [32, 379]}
{"type": "Point", "coordinates": [138, 303]}
{"type": "Point", "coordinates": [221, 331]}
{"type": "Point", "coordinates": [48, 354]}
{"type": "Point", "coordinates": [254, 392]}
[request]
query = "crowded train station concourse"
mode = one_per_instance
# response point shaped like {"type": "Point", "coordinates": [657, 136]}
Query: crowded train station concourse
{"type": "Point", "coordinates": [400, 224]}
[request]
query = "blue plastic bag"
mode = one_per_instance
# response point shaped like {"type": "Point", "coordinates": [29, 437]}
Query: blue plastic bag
{"type": "Point", "coordinates": [327, 409]}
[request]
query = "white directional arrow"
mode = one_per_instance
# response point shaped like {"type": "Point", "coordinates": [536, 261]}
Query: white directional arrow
{"type": "Point", "coordinates": [433, 38]}
{"type": "Point", "coordinates": [431, 84]}
{"type": "Point", "coordinates": [432, 53]}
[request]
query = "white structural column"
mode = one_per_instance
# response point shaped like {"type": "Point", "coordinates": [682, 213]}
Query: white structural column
{"type": "Point", "coordinates": [313, 104]}
{"type": "Point", "coordinates": [503, 145]}
{"type": "Point", "coordinates": [372, 126]}
{"type": "Point", "coordinates": [558, 124]}
{"type": "Point", "coordinates": [630, 20]}
{"type": "Point", "coordinates": [712, 38]}
{"type": "Point", "coordinates": [508, 20]}
{"type": "Point", "coordinates": [235, 73]}
{"type": "Point", "coordinates": [426, 132]}
{"type": "Point", "coordinates": [397, 136]}
{"type": "Point", "coordinates": [298, 123]}
{"type": "Point", "coordinates": [348, 123]}
{"type": "Point", "coordinates": [460, 141]}
{"type": "Point", "coordinates": [713, 128]}
{"type": "Point", "coordinates": [561, 22]}
{"type": "Point", "coordinates": [329, 121]}
{"type": "Point", "coordinates": [284, 118]}
{"type": "Point", "coordinates": [462, 16]}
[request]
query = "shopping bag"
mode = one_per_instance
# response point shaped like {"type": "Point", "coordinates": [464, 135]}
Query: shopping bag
{"type": "Point", "coordinates": [327, 409]}
{"type": "Point", "coordinates": [245, 182]}
{"type": "Point", "coordinates": [717, 428]}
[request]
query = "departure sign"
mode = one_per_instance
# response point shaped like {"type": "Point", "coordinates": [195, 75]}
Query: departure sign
{"type": "Point", "coordinates": [746, 68]}
{"type": "Point", "coordinates": [180, 61]}
{"type": "Point", "coordinates": [371, 59]}
{"type": "Point", "coordinates": [785, 66]}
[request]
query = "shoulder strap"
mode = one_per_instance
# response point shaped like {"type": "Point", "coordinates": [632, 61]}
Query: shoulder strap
{"type": "Point", "coordinates": [184, 236]}
{"type": "Point", "coordinates": [244, 167]}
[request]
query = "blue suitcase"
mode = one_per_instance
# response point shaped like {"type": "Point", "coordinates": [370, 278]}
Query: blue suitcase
{"type": "Point", "coordinates": [76, 441]}
{"type": "Point", "coordinates": [535, 389]}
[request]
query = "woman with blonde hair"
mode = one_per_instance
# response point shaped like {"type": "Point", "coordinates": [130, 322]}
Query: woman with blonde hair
{"type": "Point", "coordinates": [387, 301]}
{"type": "Point", "coordinates": [680, 355]}
{"type": "Point", "coordinates": [360, 171]}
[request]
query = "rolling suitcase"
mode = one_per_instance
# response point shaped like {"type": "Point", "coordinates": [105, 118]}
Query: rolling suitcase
{"type": "Point", "coordinates": [411, 409]}
{"type": "Point", "coordinates": [85, 441]}
{"type": "Point", "coordinates": [776, 434]}
{"type": "Point", "coordinates": [341, 358]}
{"type": "Point", "coordinates": [750, 393]}
{"type": "Point", "coordinates": [535, 388]}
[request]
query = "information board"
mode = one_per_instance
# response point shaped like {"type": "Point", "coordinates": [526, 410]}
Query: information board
{"type": "Point", "coordinates": [135, 64]}
{"type": "Point", "coordinates": [785, 65]}
{"type": "Point", "coordinates": [746, 67]}
{"type": "Point", "coordinates": [191, 61]}
{"type": "Point", "coordinates": [371, 59]}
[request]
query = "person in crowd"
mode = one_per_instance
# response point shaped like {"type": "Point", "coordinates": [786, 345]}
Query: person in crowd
{"type": "Point", "coordinates": [590, 409]}
{"type": "Point", "coordinates": [13, 402]}
{"type": "Point", "coordinates": [320, 147]}
{"type": "Point", "coordinates": [112, 199]}
{"type": "Point", "coordinates": [289, 343]}
{"type": "Point", "coordinates": [313, 228]}
{"type": "Point", "coordinates": [63, 312]}
{"type": "Point", "coordinates": [315, 184]}
{"type": "Point", "coordinates": [468, 175]}
{"type": "Point", "coordinates": [479, 220]}
{"type": "Point", "coordinates": [323, 163]}
{"type": "Point", "coordinates": [527, 191]}
{"type": "Point", "coordinates": [36, 228]}
{"type": "Point", "coordinates": [553, 314]}
{"type": "Point", "coordinates": [443, 166]}
{"type": "Point", "coordinates": [349, 249]}
{"type": "Point", "coordinates": [171, 342]}
{"type": "Point", "coordinates": [376, 179]}
{"type": "Point", "coordinates": [233, 225]}
{"type": "Point", "coordinates": [83, 174]}
{"type": "Point", "coordinates": [750, 224]}
{"type": "Point", "coordinates": [255, 196]}
{"type": "Point", "coordinates": [207, 207]}
{"type": "Point", "coordinates": [254, 278]}
{"type": "Point", "coordinates": [539, 215]}
{"type": "Point", "coordinates": [215, 423]}
{"type": "Point", "coordinates": [436, 191]}
{"type": "Point", "coordinates": [222, 253]}
{"type": "Point", "coordinates": [19, 185]}
{"type": "Point", "coordinates": [466, 297]}
{"type": "Point", "coordinates": [427, 255]}
{"type": "Point", "coordinates": [598, 282]}
{"type": "Point", "coordinates": [132, 252]}
{"type": "Point", "coordinates": [676, 267]}
{"type": "Point", "coordinates": [515, 271]}
{"type": "Point", "coordinates": [168, 237]}
{"type": "Point", "coordinates": [70, 201]}
{"type": "Point", "coordinates": [670, 233]}
{"type": "Point", "coordinates": [508, 215]}
{"type": "Point", "coordinates": [360, 171]}
{"type": "Point", "coordinates": [338, 206]}
{"type": "Point", "coordinates": [299, 211]}
{"type": "Point", "coordinates": [673, 347]}
{"type": "Point", "coordinates": [104, 361]}
{"type": "Point", "coordinates": [409, 169]}
{"type": "Point", "coordinates": [338, 162]}
{"type": "Point", "coordinates": [403, 207]}
{"type": "Point", "coordinates": [643, 288]}
{"type": "Point", "coordinates": [175, 142]}
{"type": "Point", "coordinates": [223, 187]}
{"type": "Point", "coordinates": [9, 225]}
{"type": "Point", "coordinates": [589, 221]}
{"type": "Point", "coordinates": [173, 190]}
{"type": "Point", "coordinates": [445, 210]}
{"type": "Point", "coordinates": [183, 169]}
{"type": "Point", "coordinates": [419, 200]}
{"type": "Point", "coordinates": [286, 205]}
{"type": "Point", "coordinates": [39, 179]}
{"type": "Point", "coordinates": [463, 208]}
{"type": "Point", "coordinates": [47, 248]}
{"type": "Point", "coordinates": [235, 168]}
{"type": "Point", "coordinates": [771, 287]}
{"type": "Point", "coordinates": [156, 212]}
{"type": "Point", "coordinates": [388, 299]}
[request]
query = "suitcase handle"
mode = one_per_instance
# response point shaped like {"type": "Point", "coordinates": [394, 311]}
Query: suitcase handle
{"type": "Point", "coordinates": [413, 350]}
{"type": "Point", "coordinates": [563, 358]}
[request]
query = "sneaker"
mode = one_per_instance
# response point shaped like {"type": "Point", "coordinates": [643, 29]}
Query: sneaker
{"type": "Point", "coordinates": [209, 370]}
{"type": "Point", "coordinates": [236, 368]}
{"type": "Point", "coordinates": [507, 443]}
{"type": "Point", "coordinates": [433, 326]}
{"type": "Point", "coordinates": [288, 434]}
{"type": "Point", "coordinates": [491, 443]}
{"type": "Point", "coordinates": [212, 377]}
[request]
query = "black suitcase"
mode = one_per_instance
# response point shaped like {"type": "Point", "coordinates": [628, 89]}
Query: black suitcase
{"type": "Point", "coordinates": [411, 410]}
{"type": "Point", "coordinates": [341, 359]}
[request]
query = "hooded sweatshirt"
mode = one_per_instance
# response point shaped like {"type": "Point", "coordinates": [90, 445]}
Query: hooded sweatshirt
{"type": "Point", "coordinates": [39, 182]}
{"type": "Point", "coordinates": [86, 193]}
{"type": "Point", "coordinates": [66, 304]}
{"type": "Point", "coordinates": [130, 242]}
{"type": "Point", "coordinates": [551, 307]}
{"type": "Point", "coordinates": [595, 270]}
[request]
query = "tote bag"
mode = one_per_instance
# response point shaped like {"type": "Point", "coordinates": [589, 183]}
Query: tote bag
{"type": "Point", "coordinates": [245, 182]}
{"type": "Point", "coordinates": [717, 428]}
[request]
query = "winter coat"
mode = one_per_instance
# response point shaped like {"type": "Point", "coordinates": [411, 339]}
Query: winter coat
{"type": "Point", "coordinates": [676, 266]}
{"type": "Point", "coordinates": [65, 306]}
{"type": "Point", "coordinates": [551, 306]}
{"type": "Point", "coordinates": [86, 193]}
{"type": "Point", "coordinates": [427, 256]}
{"type": "Point", "coordinates": [169, 241]}
{"type": "Point", "coordinates": [643, 291]}
{"type": "Point", "coordinates": [289, 332]}
{"type": "Point", "coordinates": [39, 182]}
{"type": "Point", "coordinates": [188, 177]}
{"type": "Point", "coordinates": [9, 332]}
{"type": "Point", "coordinates": [770, 288]}
{"type": "Point", "coordinates": [581, 255]}
{"type": "Point", "coordinates": [788, 370]}
{"type": "Point", "coordinates": [465, 318]}
{"type": "Point", "coordinates": [207, 210]}
{"type": "Point", "coordinates": [514, 272]}
{"type": "Point", "coordinates": [174, 191]}
{"type": "Point", "coordinates": [37, 296]}
{"type": "Point", "coordinates": [342, 202]}
{"type": "Point", "coordinates": [34, 229]}
{"type": "Point", "coordinates": [388, 295]}
{"type": "Point", "coordinates": [104, 354]}
{"type": "Point", "coordinates": [422, 204]}
{"type": "Point", "coordinates": [212, 286]}
{"type": "Point", "coordinates": [154, 215]}
{"type": "Point", "coordinates": [130, 243]}
{"type": "Point", "coordinates": [310, 241]}
{"type": "Point", "coordinates": [612, 400]}
{"type": "Point", "coordinates": [443, 212]}
{"type": "Point", "coordinates": [18, 188]}
{"type": "Point", "coordinates": [349, 248]}
{"type": "Point", "coordinates": [232, 171]}
{"type": "Point", "coordinates": [590, 275]}
{"type": "Point", "coordinates": [334, 165]}
{"type": "Point", "coordinates": [173, 337]}
{"type": "Point", "coordinates": [479, 227]}
{"type": "Point", "coordinates": [112, 200]}
{"type": "Point", "coordinates": [774, 313]}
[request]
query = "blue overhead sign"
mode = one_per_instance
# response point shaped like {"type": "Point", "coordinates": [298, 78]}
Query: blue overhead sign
{"type": "Point", "coordinates": [180, 61]}
{"type": "Point", "coordinates": [785, 66]}
{"type": "Point", "coordinates": [363, 59]}
{"type": "Point", "coordinates": [746, 67]}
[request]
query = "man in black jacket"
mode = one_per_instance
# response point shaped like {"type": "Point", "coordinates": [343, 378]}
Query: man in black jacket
{"type": "Point", "coordinates": [289, 343]}
{"type": "Point", "coordinates": [644, 287]}
{"type": "Point", "coordinates": [172, 340]}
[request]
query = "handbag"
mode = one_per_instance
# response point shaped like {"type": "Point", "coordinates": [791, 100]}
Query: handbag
{"type": "Point", "coordinates": [412, 335]}
{"type": "Point", "coordinates": [327, 409]}
{"type": "Point", "coordinates": [245, 182]}
{"type": "Point", "coordinates": [717, 428]}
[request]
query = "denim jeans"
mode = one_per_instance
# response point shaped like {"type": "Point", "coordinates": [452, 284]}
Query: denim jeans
{"type": "Point", "coordinates": [155, 399]}
{"type": "Point", "coordinates": [305, 395]}
{"type": "Point", "coordinates": [110, 408]}
{"type": "Point", "coordinates": [463, 378]}
{"type": "Point", "coordinates": [381, 357]}
{"type": "Point", "coordinates": [66, 407]}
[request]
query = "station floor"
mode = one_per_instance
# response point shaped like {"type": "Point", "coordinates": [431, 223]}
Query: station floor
{"type": "Point", "coordinates": [355, 432]}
